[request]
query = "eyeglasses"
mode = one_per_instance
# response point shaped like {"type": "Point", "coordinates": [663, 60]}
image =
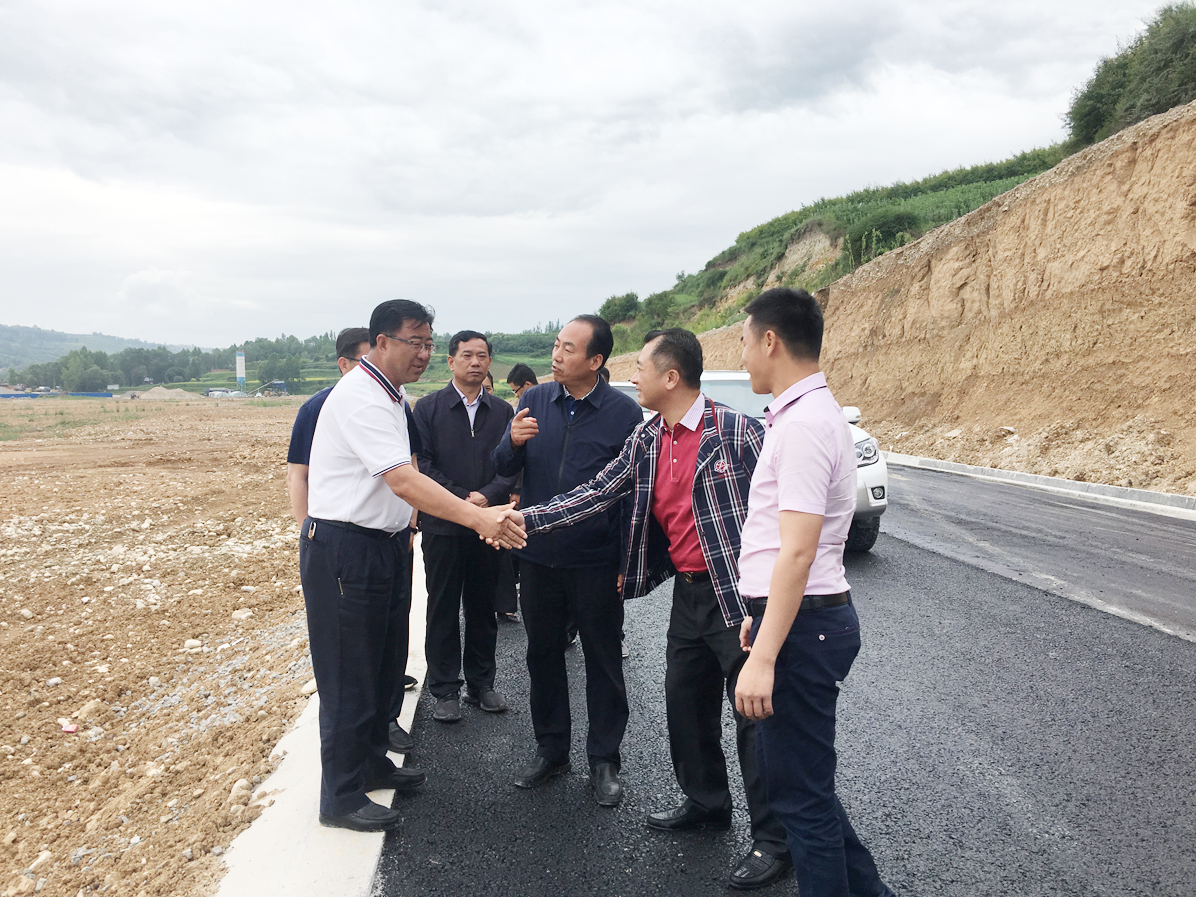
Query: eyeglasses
{"type": "Point", "coordinates": [417, 344]}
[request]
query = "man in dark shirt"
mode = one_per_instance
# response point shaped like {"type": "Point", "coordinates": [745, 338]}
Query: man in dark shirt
{"type": "Point", "coordinates": [351, 344]}
{"type": "Point", "coordinates": [563, 434]}
{"type": "Point", "coordinates": [459, 426]}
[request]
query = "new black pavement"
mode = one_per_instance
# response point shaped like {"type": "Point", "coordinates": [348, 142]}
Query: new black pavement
{"type": "Point", "coordinates": [994, 740]}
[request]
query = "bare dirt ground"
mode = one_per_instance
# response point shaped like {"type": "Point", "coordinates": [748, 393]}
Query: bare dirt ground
{"type": "Point", "coordinates": [152, 638]}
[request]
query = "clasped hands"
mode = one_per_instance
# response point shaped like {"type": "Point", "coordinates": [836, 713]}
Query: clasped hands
{"type": "Point", "coordinates": [502, 527]}
{"type": "Point", "coordinates": [512, 532]}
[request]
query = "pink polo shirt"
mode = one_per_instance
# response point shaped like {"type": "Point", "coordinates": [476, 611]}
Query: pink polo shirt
{"type": "Point", "coordinates": [807, 464]}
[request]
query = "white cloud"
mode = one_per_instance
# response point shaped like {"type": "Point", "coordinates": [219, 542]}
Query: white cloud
{"type": "Point", "coordinates": [506, 162]}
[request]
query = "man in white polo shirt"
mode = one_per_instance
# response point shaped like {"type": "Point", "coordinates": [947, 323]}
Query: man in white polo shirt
{"type": "Point", "coordinates": [803, 632]}
{"type": "Point", "coordinates": [352, 562]}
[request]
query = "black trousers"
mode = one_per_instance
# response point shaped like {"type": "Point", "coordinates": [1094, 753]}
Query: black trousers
{"type": "Point", "coordinates": [356, 590]}
{"type": "Point", "coordinates": [506, 596]}
{"type": "Point", "coordinates": [462, 573]}
{"type": "Point", "coordinates": [549, 596]}
{"type": "Point", "coordinates": [703, 660]}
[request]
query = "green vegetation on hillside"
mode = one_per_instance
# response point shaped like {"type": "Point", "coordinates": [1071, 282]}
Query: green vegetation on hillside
{"type": "Point", "coordinates": [864, 224]}
{"type": "Point", "coordinates": [20, 346]}
{"type": "Point", "coordinates": [1156, 72]}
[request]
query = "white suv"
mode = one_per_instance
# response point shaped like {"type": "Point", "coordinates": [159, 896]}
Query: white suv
{"type": "Point", "coordinates": [734, 388]}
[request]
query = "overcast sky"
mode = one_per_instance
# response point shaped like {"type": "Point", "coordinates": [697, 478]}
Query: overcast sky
{"type": "Point", "coordinates": [209, 172]}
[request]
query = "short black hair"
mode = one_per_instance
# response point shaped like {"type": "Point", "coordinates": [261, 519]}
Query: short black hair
{"type": "Point", "coordinates": [391, 315]}
{"type": "Point", "coordinates": [602, 341]}
{"type": "Point", "coordinates": [794, 316]}
{"type": "Point", "coordinates": [520, 374]}
{"type": "Point", "coordinates": [465, 336]}
{"type": "Point", "coordinates": [677, 350]}
{"type": "Point", "coordinates": [349, 339]}
{"type": "Point", "coordinates": [604, 373]}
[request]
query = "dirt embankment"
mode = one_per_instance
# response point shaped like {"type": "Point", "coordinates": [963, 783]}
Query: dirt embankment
{"type": "Point", "coordinates": [152, 641]}
{"type": "Point", "coordinates": [1053, 330]}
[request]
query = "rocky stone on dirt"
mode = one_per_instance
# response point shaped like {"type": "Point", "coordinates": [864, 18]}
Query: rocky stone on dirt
{"type": "Point", "coordinates": [309, 687]}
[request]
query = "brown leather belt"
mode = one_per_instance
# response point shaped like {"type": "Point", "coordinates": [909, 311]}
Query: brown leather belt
{"type": "Point", "coordinates": [756, 606]}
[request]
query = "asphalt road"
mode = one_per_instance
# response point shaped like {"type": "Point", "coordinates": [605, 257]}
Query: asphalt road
{"type": "Point", "coordinates": [995, 739]}
{"type": "Point", "coordinates": [1132, 563]}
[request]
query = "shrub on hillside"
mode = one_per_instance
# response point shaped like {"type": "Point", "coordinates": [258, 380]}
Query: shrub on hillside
{"type": "Point", "coordinates": [620, 308]}
{"type": "Point", "coordinates": [1156, 72]}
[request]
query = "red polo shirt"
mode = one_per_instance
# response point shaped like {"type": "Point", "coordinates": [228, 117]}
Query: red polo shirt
{"type": "Point", "coordinates": [672, 496]}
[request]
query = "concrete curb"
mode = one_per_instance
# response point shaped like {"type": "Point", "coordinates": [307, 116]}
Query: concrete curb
{"type": "Point", "coordinates": [286, 850]}
{"type": "Point", "coordinates": [1166, 503]}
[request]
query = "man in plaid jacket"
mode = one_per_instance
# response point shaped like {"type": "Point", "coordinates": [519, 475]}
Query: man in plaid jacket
{"type": "Point", "coordinates": [687, 472]}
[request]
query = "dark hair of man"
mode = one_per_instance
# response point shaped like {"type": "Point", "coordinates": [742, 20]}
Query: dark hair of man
{"type": "Point", "coordinates": [489, 376]}
{"type": "Point", "coordinates": [520, 374]}
{"type": "Point", "coordinates": [466, 336]}
{"type": "Point", "coordinates": [348, 340]}
{"type": "Point", "coordinates": [601, 339]}
{"type": "Point", "coordinates": [604, 373]}
{"type": "Point", "coordinates": [677, 350]}
{"type": "Point", "coordinates": [794, 316]}
{"type": "Point", "coordinates": [391, 315]}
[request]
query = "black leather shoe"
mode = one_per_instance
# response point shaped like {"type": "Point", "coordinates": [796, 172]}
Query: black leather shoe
{"type": "Point", "coordinates": [409, 683]}
{"type": "Point", "coordinates": [487, 698]}
{"type": "Point", "coordinates": [400, 739]}
{"type": "Point", "coordinates": [404, 778]}
{"type": "Point", "coordinates": [758, 869]}
{"type": "Point", "coordinates": [370, 818]}
{"type": "Point", "coordinates": [604, 779]}
{"type": "Point", "coordinates": [539, 771]}
{"type": "Point", "coordinates": [685, 817]}
{"type": "Point", "coordinates": [447, 710]}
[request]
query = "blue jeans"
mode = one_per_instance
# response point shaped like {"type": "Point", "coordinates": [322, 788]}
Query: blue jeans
{"type": "Point", "coordinates": [796, 747]}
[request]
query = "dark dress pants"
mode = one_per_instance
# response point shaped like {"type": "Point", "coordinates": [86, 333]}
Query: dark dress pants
{"type": "Point", "coordinates": [797, 756]}
{"type": "Point", "coordinates": [355, 589]}
{"type": "Point", "coordinates": [461, 572]}
{"type": "Point", "coordinates": [506, 595]}
{"type": "Point", "coordinates": [549, 596]}
{"type": "Point", "coordinates": [408, 573]}
{"type": "Point", "coordinates": [703, 659]}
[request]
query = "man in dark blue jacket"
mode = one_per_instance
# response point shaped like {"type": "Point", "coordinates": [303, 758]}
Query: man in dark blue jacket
{"type": "Point", "coordinates": [563, 434]}
{"type": "Point", "coordinates": [459, 426]}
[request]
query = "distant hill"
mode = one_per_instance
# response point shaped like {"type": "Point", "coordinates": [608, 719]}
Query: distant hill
{"type": "Point", "coordinates": [22, 346]}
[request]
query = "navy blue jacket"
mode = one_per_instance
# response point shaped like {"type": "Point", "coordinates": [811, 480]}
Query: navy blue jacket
{"type": "Point", "coordinates": [562, 456]}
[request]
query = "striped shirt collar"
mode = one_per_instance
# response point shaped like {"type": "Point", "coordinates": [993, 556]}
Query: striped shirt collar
{"type": "Point", "coordinates": [396, 395]}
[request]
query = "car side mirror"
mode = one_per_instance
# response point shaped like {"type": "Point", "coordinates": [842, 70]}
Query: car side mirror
{"type": "Point", "coordinates": [852, 413]}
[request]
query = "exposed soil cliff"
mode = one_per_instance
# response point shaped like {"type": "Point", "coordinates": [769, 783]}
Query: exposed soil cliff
{"type": "Point", "coordinates": [1052, 330]}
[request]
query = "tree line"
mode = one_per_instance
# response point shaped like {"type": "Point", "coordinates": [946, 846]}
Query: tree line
{"type": "Point", "coordinates": [82, 370]}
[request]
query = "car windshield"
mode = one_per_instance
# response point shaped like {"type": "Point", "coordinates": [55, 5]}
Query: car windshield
{"type": "Point", "coordinates": [626, 388]}
{"type": "Point", "coordinates": [738, 394]}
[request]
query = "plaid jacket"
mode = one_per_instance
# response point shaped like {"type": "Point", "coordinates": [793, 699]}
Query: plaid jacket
{"type": "Point", "coordinates": [727, 452]}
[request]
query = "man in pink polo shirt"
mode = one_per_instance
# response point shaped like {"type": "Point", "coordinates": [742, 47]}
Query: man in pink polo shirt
{"type": "Point", "coordinates": [803, 632]}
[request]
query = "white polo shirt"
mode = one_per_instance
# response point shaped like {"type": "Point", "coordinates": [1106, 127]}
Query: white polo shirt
{"type": "Point", "coordinates": [362, 434]}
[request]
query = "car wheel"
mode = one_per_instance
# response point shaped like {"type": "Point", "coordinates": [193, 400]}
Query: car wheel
{"type": "Point", "coordinates": [863, 533]}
